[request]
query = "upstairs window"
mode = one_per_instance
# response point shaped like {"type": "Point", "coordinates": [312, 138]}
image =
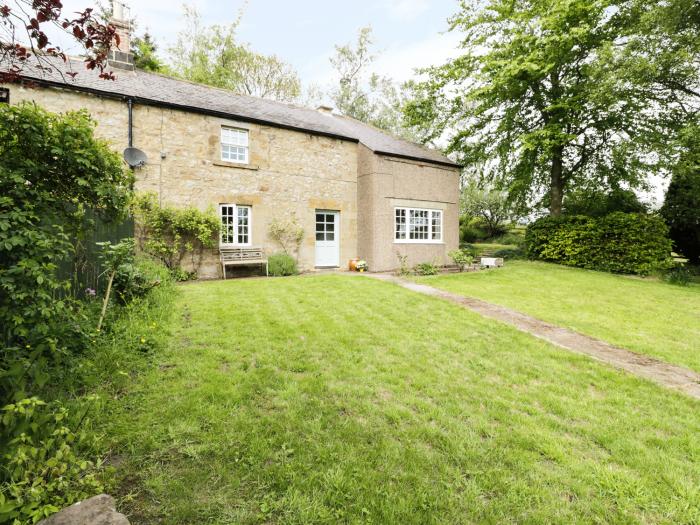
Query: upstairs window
{"type": "Point", "coordinates": [417, 225]}
{"type": "Point", "coordinates": [235, 225]}
{"type": "Point", "coordinates": [234, 145]}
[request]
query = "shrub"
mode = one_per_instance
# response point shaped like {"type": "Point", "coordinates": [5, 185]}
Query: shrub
{"type": "Point", "coordinates": [134, 279]}
{"type": "Point", "coordinates": [280, 264]}
{"type": "Point", "coordinates": [510, 253]}
{"type": "Point", "coordinates": [403, 270]}
{"type": "Point", "coordinates": [287, 233]}
{"type": "Point", "coordinates": [168, 234]}
{"type": "Point", "coordinates": [472, 229]}
{"type": "Point", "coordinates": [509, 238]}
{"type": "Point", "coordinates": [462, 258]}
{"type": "Point", "coordinates": [426, 268]}
{"type": "Point", "coordinates": [681, 210]}
{"type": "Point", "coordinates": [618, 243]}
{"type": "Point", "coordinates": [679, 275]}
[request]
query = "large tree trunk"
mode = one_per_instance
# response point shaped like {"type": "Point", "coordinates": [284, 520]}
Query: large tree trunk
{"type": "Point", "coordinates": [556, 182]}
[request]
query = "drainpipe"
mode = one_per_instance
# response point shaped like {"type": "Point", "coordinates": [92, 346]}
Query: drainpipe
{"type": "Point", "coordinates": [129, 104]}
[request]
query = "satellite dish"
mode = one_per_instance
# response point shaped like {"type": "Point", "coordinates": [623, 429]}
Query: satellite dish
{"type": "Point", "coordinates": [134, 157]}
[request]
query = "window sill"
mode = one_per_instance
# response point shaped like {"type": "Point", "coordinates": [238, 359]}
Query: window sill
{"type": "Point", "coordinates": [227, 164]}
{"type": "Point", "coordinates": [418, 242]}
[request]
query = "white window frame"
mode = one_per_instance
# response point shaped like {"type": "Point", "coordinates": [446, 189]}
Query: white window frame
{"type": "Point", "coordinates": [431, 212]}
{"type": "Point", "coordinates": [236, 225]}
{"type": "Point", "coordinates": [235, 141]}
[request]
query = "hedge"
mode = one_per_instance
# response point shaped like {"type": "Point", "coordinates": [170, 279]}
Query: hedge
{"type": "Point", "coordinates": [631, 243]}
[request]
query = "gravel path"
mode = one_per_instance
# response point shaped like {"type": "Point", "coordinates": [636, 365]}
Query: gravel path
{"type": "Point", "coordinates": [665, 374]}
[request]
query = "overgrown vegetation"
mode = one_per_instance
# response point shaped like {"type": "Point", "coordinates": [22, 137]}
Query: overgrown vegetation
{"type": "Point", "coordinates": [169, 234]}
{"type": "Point", "coordinates": [619, 242]}
{"type": "Point", "coordinates": [52, 171]}
{"type": "Point", "coordinates": [462, 258]}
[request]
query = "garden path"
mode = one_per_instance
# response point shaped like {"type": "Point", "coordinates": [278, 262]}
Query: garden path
{"type": "Point", "coordinates": [662, 373]}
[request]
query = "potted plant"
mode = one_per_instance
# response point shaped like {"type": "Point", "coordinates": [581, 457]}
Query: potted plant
{"type": "Point", "coordinates": [361, 265]}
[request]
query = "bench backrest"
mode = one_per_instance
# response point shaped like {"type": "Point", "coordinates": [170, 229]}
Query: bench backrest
{"type": "Point", "coordinates": [241, 254]}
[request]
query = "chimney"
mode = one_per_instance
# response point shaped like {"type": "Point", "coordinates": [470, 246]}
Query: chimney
{"type": "Point", "coordinates": [325, 109]}
{"type": "Point", "coordinates": [121, 57]}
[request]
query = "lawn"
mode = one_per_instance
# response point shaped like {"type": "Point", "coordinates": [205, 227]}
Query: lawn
{"type": "Point", "coordinates": [644, 315]}
{"type": "Point", "coordinates": [339, 399]}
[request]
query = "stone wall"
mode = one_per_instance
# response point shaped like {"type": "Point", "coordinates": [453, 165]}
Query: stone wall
{"type": "Point", "coordinates": [289, 172]}
{"type": "Point", "coordinates": [387, 182]}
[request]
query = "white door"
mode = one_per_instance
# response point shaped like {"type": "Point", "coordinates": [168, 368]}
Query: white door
{"type": "Point", "coordinates": [327, 238]}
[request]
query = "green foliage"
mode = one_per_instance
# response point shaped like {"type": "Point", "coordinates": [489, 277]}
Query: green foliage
{"type": "Point", "coordinates": [145, 51]}
{"type": "Point", "coordinates": [472, 229]}
{"type": "Point", "coordinates": [597, 203]}
{"type": "Point", "coordinates": [618, 243]}
{"type": "Point", "coordinates": [551, 96]}
{"type": "Point", "coordinates": [681, 208]}
{"type": "Point", "coordinates": [280, 264]}
{"type": "Point", "coordinates": [490, 206]}
{"type": "Point", "coordinates": [168, 234]}
{"type": "Point", "coordinates": [288, 233]}
{"type": "Point", "coordinates": [462, 258]}
{"type": "Point", "coordinates": [510, 253]}
{"type": "Point", "coordinates": [42, 467]}
{"type": "Point", "coordinates": [366, 96]}
{"type": "Point", "coordinates": [679, 275]}
{"type": "Point", "coordinates": [212, 55]}
{"type": "Point", "coordinates": [51, 169]}
{"type": "Point", "coordinates": [426, 268]}
{"type": "Point", "coordinates": [136, 277]}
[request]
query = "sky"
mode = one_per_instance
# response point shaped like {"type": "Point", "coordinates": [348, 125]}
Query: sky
{"type": "Point", "coordinates": [408, 34]}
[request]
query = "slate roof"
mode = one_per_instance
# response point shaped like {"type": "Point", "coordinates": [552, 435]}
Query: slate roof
{"type": "Point", "coordinates": [154, 89]}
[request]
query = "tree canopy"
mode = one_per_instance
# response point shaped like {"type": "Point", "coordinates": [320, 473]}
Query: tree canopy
{"type": "Point", "coordinates": [366, 95]}
{"type": "Point", "coordinates": [550, 96]}
{"type": "Point", "coordinates": [212, 55]}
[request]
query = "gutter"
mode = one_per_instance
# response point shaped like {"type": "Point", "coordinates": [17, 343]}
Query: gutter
{"type": "Point", "coordinates": [447, 164]}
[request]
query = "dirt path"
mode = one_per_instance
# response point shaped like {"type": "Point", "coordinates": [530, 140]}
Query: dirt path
{"type": "Point", "coordinates": [665, 374]}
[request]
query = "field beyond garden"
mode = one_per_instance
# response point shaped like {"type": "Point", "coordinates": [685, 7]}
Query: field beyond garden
{"type": "Point", "coordinates": [340, 399]}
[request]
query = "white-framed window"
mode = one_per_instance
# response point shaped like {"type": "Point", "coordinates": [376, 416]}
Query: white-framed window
{"type": "Point", "coordinates": [417, 225]}
{"type": "Point", "coordinates": [235, 225]}
{"type": "Point", "coordinates": [234, 145]}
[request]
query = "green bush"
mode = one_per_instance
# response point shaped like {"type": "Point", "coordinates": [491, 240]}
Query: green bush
{"type": "Point", "coordinates": [136, 278]}
{"type": "Point", "coordinates": [510, 253]}
{"type": "Point", "coordinates": [280, 264]}
{"type": "Point", "coordinates": [509, 238]}
{"type": "Point", "coordinates": [679, 275]}
{"type": "Point", "coordinates": [462, 258]}
{"type": "Point", "coordinates": [472, 229]}
{"type": "Point", "coordinates": [426, 268]}
{"type": "Point", "coordinates": [627, 243]}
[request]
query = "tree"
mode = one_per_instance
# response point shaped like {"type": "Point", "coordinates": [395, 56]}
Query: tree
{"type": "Point", "coordinates": [212, 55]}
{"type": "Point", "coordinates": [681, 208]}
{"type": "Point", "coordinates": [23, 36]}
{"type": "Point", "coordinates": [536, 104]}
{"type": "Point", "coordinates": [364, 95]}
{"type": "Point", "coordinates": [145, 54]}
{"type": "Point", "coordinates": [489, 205]}
{"type": "Point", "coordinates": [596, 203]}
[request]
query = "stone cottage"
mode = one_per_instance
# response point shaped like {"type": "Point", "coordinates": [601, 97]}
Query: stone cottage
{"type": "Point", "coordinates": [356, 191]}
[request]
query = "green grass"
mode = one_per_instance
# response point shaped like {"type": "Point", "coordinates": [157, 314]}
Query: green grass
{"type": "Point", "coordinates": [643, 315]}
{"type": "Point", "coordinates": [335, 399]}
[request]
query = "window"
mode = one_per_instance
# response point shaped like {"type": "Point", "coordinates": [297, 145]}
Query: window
{"type": "Point", "coordinates": [235, 224]}
{"type": "Point", "coordinates": [417, 225]}
{"type": "Point", "coordinates": [234, 145]}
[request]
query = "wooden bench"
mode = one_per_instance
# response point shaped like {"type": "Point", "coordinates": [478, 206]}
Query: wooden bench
{"type": "Point", "coordinates": [241, 256]}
